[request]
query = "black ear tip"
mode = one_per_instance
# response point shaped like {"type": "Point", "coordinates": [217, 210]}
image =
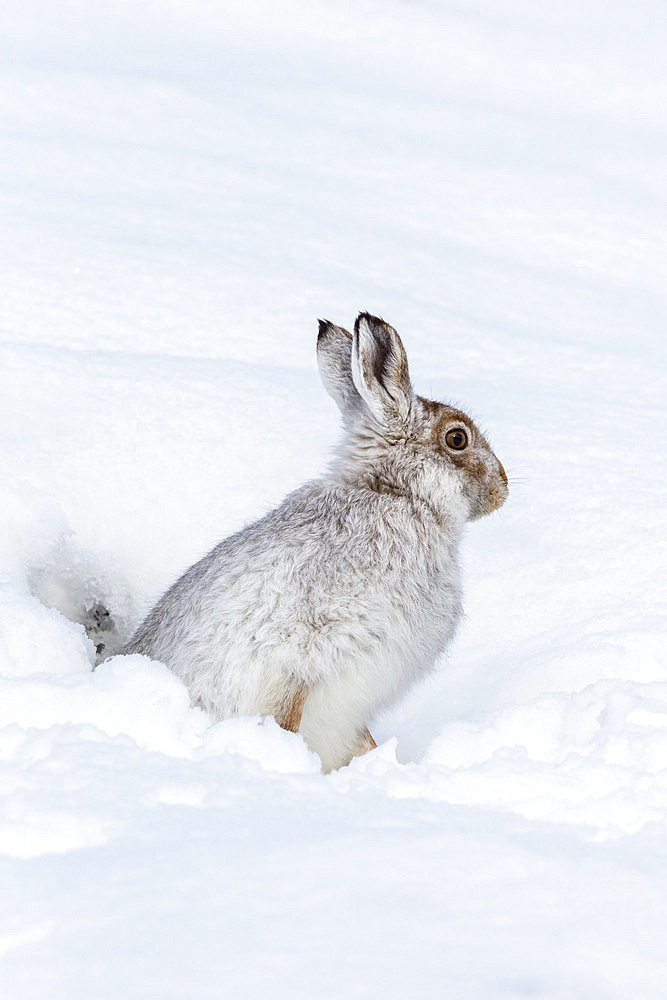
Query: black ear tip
{"type": "Point", "coordinates": [374, 322]}
{"type": "Point", "coordinates": [362, 316]}
{"type": "Point", "coordinates": [333, 332]}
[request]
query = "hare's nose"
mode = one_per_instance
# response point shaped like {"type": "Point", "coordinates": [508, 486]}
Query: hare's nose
{"type": "Point", "coordinates": [503, 474]}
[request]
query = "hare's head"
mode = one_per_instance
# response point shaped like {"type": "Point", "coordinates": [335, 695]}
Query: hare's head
{"type": "Point", "coordinates": [398, 441]}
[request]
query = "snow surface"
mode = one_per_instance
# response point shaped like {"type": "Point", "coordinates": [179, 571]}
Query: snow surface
{"type": "Point", "coordinates": [185, 188]}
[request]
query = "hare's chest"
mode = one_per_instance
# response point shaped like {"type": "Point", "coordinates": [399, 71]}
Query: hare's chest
{"type": "Point", "coordinates": [419, 625]}
{"type": "Point", "coordinates": [446, 600]}
{"type": "Point", "coordinates": [436, 608]}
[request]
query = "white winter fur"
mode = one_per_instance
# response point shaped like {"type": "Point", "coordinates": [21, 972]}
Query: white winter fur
{"type": "Point", "coordinates": [331, 606]}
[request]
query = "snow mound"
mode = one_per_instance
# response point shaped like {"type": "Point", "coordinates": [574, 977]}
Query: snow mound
{"type": "Point", "coordinates": [47, 681]}
{"type": "Point", "coordinates": [38, 640]}
{"type": "Point", "coordinates": [596, 759]}
{"type": "Point", "coordinates": [262, 741]}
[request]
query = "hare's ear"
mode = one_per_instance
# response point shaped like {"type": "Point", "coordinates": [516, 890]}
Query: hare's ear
{"type": "Point", "coordinates": [380, 370]}
{"type": "Point", "coordinates": [334, 359]}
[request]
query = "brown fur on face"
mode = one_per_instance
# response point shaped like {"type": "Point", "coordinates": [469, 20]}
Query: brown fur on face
{"type": "Point", "coordinates": [485, 480]}
{"type": "Point", "coordinates": [451, 417]}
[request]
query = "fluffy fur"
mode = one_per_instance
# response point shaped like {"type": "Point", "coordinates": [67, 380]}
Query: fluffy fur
{"type": "Point", "coordinates": [328, 609]}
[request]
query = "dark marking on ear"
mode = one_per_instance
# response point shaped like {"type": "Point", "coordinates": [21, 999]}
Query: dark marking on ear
{"type": "Point", "coordinates": [380, 373]}
{"type": "Point", "coordinates": [383, 359]}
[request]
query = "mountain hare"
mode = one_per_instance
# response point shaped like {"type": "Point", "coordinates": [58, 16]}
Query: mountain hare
{"type": "Point", "coordinates": [330, 607]}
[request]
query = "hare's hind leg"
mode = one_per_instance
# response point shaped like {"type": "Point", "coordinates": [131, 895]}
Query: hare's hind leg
{"type": "Point", "coordinates": [290, 709]}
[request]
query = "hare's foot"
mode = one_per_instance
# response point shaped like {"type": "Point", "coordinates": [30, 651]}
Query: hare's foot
{"type": "Point", "coordinates": [288, 713]}
{"type": "Point", "coordinates": [365, 742]}
{"type": "Point", "coordinates": [361, 745]}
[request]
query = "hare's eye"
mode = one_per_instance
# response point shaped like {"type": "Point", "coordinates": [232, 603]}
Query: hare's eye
{"type": "Point", "coordinates": [457, 439]}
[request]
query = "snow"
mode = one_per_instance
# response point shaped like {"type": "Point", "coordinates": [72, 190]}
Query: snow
{"type": "Point", "coordinates": [185, 189]}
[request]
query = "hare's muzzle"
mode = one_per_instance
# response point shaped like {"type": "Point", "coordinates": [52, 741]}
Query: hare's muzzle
{"type": "Point", "coordinates": [497, 491]}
